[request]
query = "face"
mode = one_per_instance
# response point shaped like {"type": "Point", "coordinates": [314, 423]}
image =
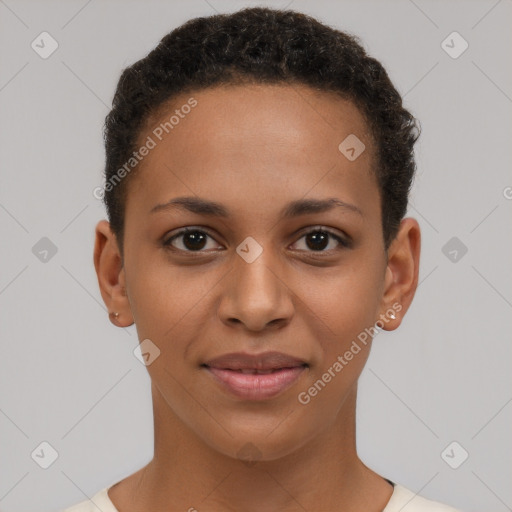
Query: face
{"type": "Point", "coordinates": [289, 259]}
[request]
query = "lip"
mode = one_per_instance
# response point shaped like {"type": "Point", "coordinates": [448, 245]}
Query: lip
{"type": "Point", "coordinates": [281, 370]}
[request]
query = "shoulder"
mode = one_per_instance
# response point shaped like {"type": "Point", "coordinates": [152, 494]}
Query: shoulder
{"type": "Point", "coordinates": [100, 501]}
{"type": "Point", "coordinates": [404, 500]}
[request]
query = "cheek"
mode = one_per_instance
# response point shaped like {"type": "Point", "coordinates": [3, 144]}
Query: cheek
{"type": "Point", "coordinates": [346, 300]}
{"type": "Point", "coordinates": [171, 306]}
{"type": "Point", "coordinates": [161, 295]}
{"type": "Point", "coordinates": [347, 305]}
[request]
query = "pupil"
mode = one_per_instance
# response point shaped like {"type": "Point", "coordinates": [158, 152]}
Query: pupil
{"type": "Point", "coordinates": [315, 241]}
{"type": "Point", "coordinates": [196, 238]}
{"type": "Point", "coordinates": [319, 237]}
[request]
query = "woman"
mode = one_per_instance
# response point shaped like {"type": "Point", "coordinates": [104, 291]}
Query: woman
{"type": "Point", "coordinates": [257, 178]}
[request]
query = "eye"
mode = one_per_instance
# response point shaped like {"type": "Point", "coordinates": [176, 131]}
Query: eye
{"type": "Point", "coordinates": [192, 240]}
{"type": "Point", "coordinates": [318, 239]}
{"type": "Point", "coordinates": [196, 240]}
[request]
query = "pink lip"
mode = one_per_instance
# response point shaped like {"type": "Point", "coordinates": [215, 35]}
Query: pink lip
{"type": "Point", "coordinates": [256, 386]}
{"type": "Point", "coordinates": [281, 371]}
{"type": "Point", "coordinates": [264, 361]}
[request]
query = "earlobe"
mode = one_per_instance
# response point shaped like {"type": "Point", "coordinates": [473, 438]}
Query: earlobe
{"type": "Point", "coordinates": [110, 274]}
{"type": "Point", "coordinates": [401, 279]}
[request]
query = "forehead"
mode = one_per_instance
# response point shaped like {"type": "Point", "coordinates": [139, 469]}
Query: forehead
{"type": "Point", "coordinates": [253, 140]}
{"type": "Point", "coordinates": [259, 111]}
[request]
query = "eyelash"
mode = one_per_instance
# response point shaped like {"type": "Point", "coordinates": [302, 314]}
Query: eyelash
{"type": "Point", "coordinates": [343, 243]}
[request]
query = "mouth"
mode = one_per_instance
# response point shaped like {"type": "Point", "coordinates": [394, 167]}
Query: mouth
{"type": "Point", "coordinates": [255, 377]}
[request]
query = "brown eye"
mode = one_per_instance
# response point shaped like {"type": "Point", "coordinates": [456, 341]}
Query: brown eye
{"type": "Point", "coordinates": [318, 240]}
{"type": "Point", "coordinates": [190, 240]}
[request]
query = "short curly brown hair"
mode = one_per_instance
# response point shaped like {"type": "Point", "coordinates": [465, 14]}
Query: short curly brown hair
{"type": "Point", "coordinates": [271, 46]}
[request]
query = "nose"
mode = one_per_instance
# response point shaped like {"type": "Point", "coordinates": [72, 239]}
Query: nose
{"type": "Point", "coordinates": [256, 296]}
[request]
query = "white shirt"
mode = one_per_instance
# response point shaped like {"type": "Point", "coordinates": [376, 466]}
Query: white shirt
{"type": "Point", "coordinates": [402, 500]}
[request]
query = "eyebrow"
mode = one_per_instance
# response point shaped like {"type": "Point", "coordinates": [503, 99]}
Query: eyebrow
{"type": "Point", "coordinates": [293, 209]}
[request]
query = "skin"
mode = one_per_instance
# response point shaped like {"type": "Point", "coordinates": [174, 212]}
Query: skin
{"type": "Point", "coordinates": [255, 148]}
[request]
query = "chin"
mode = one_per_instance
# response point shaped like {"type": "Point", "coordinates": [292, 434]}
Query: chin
{"type": "Point", "coordinates": [260, 443]}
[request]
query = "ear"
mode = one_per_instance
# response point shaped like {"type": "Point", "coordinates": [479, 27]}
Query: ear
{"type": "Point", "coordinates": [111, 275]}
{"type": "Point", "coordinates": [402, 270]}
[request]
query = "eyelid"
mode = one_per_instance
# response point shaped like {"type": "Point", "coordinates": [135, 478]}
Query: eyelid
{"type": "Point", "coordinates": [183, 231]}
{"type": "Point", "coordinates": [344, 240]}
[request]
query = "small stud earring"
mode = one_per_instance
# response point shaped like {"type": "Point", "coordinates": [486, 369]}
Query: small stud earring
{"type": "Point", "coordinates": [392, 316]}
{"type": "Point", "coordinates": [116, 315]}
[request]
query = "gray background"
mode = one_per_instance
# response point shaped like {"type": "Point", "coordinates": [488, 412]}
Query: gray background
{"type": "Point", "coordinates": [68, 377]}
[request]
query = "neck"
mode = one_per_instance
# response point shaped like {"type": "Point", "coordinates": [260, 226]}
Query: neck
{"type": "Point", "coordinates": [187, 474]}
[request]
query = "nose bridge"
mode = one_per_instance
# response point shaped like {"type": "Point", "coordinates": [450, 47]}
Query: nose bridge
{"type": "Point", "coordinates": [256, 278]}
{"type": "Point", "coordinates": [255, 294]}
